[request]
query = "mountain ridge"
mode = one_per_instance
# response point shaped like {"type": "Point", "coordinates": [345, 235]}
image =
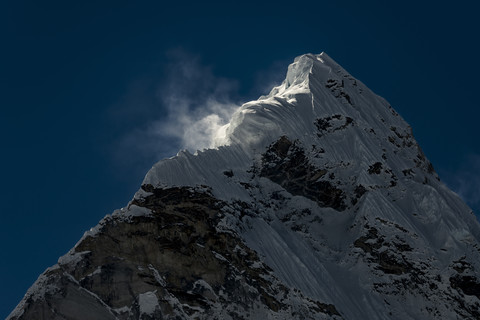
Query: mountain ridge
{"type": "Point", "coordinates": [316, 202]}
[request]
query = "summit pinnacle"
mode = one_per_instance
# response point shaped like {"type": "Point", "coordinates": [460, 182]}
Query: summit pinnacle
{"type": "Point", "coordinates": [316, 203]}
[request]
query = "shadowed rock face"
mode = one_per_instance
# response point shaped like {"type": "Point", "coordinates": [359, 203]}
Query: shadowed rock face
{"type": "Point", "coordinates": [286, 164]}
{"type": "Point", "coordinates": [331, 124]}
{"type": "Point", "coordinates": [468, 284]}
{"type": "Point", "coordinates": [465, 281]}
{"type": "Point", "coordinates": [389, 261]}
{"type": "Point", "coordinates": [175, 262]}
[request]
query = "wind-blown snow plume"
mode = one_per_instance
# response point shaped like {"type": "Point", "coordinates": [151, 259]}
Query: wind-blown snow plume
{"type": "Point", "coordinates": [196, 127]}
{"type": "Point", "coordinates": [198, 103]}
{"type": "Point", "coordinates": [187, 108]}
{"type": "Point", "coordinates": [184, 109]}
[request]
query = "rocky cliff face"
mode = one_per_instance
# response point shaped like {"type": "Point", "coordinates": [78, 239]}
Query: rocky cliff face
{"type": "Point", "coordinates": [317, 203]}
{"type": "Point", "coordinates": [173, 263]}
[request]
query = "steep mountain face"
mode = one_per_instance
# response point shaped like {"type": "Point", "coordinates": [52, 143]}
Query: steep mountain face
{"type": "Point", "coordinates": [317, 203]}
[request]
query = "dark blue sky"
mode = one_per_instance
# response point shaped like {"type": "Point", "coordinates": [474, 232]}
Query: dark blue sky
{"type": "Point", "coordinates": [82, 82]}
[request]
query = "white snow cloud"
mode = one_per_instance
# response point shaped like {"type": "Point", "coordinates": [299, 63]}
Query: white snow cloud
{"type": "Point", "coordinates": [184, 105]}
{"type": "Point", "coordinates": [198, 103]}
{"type": "Point", "coordinates": [178, 104]}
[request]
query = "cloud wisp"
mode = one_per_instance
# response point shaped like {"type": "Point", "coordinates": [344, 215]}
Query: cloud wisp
{"type": "Point", "coordinates": [178, 104]}
{"type": "Point", "coordinates": [184, 109]}
{"type": "Point", "coordinates": [198, 103]}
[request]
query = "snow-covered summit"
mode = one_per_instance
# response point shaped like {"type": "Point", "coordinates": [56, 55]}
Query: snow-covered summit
{"type": "Point", "coordinates": [316, 203]}
{"type": "Point", "coordinates": [301, 108]}
{"type": "Point", "coordinates": [325, 130]}
{"type": "Point", "coordinates": [306, 67]}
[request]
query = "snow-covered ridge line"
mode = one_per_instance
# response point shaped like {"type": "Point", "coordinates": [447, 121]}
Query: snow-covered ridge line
{"type": "Point", "coordinates": [312, 89]}
{"type": "Point", "coordinates": [317, 203]}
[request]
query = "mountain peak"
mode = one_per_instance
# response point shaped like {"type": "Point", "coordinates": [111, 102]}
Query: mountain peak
{"type": "Point", "coordinates": [320, 66]}
{"type": "Point", "coordinates": [317, 96]}
{"type": "Point", "coordinates": [317, 203]}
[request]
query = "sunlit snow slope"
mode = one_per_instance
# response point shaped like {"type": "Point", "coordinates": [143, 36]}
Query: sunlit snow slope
{"type": "Point", "coordinates": [326, 186]}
